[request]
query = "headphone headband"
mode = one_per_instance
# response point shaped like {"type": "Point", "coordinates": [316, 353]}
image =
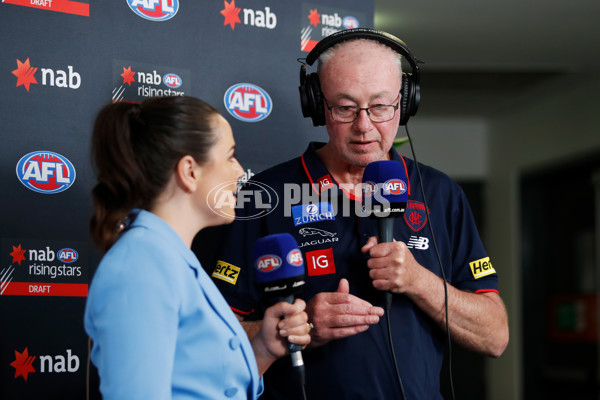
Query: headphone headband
{"type": "Point", "coordinates": [363, 33]}
{"type": "Point", "coordinates": [311, 98]}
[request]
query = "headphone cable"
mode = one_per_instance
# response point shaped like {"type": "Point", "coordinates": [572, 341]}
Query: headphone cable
{"type": "Point", "coordinates": [449, 343]}
{"type": "Point", "coordinates": [391, 343]}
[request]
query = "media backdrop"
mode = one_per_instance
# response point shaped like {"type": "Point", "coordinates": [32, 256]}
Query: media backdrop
{"type": "Point", "coordinates": [61, 61]}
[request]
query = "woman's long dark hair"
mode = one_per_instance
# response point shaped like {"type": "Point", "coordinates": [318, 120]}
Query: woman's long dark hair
{"type": "Point", "coordinates": [135, 150]}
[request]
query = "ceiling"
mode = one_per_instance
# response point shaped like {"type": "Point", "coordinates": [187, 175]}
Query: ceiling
{"type": "Point", "coordinates": [489, 49]}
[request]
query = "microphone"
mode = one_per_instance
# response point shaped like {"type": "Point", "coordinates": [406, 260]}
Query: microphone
{"type": "Point", "coordinates": [279, 270]}
{"type": "Point", "coordinates": [385, 194]}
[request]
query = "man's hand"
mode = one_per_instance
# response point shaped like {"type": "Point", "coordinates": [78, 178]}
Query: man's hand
{"type": "Point", "coordinates": [392, 266]}
{"type": "Point", "coordinates": [339, 314]}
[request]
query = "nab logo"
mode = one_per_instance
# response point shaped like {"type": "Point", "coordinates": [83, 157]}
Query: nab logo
{"type": "Point", "coordinates": [45, 172]}
{"type": "Point", "coordinates": [248, 102]}
{"type": "Point", "coordinates": [23, 363]}
{"type": "Point", "coordinates": [268, 263]}
{"type": "Point", "coordinates": [256, 18]}
{"type": "Point", "coordinates": [294, 257]}
{"type": "Point", "coordinates": [394, 186]}
{"type": "Point", "coordinates": [154, 10]}
{"type": "Point", "coordinates": [172, 80]}
{"type": "Point", "coordinates": [25, 74]}
{"type": "Point", "coordinates": [68, 255]}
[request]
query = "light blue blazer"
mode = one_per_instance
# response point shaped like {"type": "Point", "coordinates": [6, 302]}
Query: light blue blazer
{"type": "Point", "coordinates": [160, 327]}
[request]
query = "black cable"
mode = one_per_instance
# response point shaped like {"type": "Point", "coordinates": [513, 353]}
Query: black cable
{"type": "Point", "coordinates": [390, 341]}
{"type": "Point", "coordinates": [304, 391]}
{"type": "Point", "coordinates": [439, 260]}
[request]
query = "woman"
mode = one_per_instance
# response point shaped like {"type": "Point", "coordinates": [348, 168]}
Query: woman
{"type": "Point", "coordinates": [159, 326]}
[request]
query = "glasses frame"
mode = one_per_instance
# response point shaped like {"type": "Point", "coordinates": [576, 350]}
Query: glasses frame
{"type": "Point", "coordinates": [367, 109]}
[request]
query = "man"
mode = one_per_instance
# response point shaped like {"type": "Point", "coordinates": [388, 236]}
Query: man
{"type": "Point", "coordinates": [347, 270]}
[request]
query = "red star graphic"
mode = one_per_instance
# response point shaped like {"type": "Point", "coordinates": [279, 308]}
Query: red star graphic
{"type": "Point", "coordinates": [128, 75]}
{"type": "Point", "coordinates": [314, 17]}
{"type": "Point", "coordinates": [25, 74]}
{"type": "Point", "coordinates": [22, 363]}
{"type": "Point", "coordinates": [18, 254]}
{"type": "Point", "coordinates": [231, 14]}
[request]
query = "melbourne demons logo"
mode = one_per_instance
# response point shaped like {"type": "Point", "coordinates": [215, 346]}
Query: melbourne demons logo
{"type": "Point", "coordinates": [154, 10]}
{"type": "Point", "coordinates": [45, 172]}
{"type": "Point", "coordinates": [248, 102]}
{"type": "Point", "coordinates": [415, 215]}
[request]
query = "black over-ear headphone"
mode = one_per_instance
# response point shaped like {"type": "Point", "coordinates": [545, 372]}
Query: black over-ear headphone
{"type": "Point", "coordinates": [311, 97]}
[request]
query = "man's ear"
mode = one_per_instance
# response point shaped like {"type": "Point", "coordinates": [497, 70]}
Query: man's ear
{"type": "Point", "coordinates": [188, 173]}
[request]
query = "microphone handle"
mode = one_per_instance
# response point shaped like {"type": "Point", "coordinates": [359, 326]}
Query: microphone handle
{"type": "Point", "coordinates": [294, 349]}
{"type": "Point", "coordinates": [386, 235]}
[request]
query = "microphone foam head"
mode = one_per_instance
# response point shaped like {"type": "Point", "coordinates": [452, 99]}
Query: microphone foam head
{"type": "Point", "coordinates": [385, 189]}
{"type": "Point", "coordinates": [278, 263]}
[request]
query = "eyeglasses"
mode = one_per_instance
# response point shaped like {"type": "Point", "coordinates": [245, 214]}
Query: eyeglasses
{"type": "Point", "coordinates": [377, 113]}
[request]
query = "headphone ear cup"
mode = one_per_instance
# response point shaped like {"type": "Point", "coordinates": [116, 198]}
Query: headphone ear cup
{"type": "Point", "coordinates": [405, 100]}
{"type": "Point", "coordinates": [304, 92]}
{"type": "Point", "coordinates": [316, 100]}
{"type": "Point", "coordinates": [311, 98]}
{"type": "Point", "coordinates": [411, 97]}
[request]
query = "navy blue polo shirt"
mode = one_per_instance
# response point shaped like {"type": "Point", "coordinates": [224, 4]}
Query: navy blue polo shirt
{"type": "Point", "coordinates": [330, 235]}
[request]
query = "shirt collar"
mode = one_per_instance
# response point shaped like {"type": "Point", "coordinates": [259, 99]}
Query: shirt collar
{"type": "Point", "coordinates": [321, 179]}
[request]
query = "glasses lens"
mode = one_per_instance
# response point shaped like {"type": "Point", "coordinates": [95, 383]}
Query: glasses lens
{"type": "Point", "coordinates": [381, 113]}
{"type": "Point", "coordinates": [344, 113]}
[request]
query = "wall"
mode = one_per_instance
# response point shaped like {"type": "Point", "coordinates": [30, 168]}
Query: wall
{"type": "Point", "coordinates": [556, 122]}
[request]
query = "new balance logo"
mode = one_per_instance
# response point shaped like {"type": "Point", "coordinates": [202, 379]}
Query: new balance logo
{"type": "Point", "coordinates": [419, 243]}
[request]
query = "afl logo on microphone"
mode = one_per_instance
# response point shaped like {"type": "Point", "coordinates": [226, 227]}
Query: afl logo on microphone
{"type": "Point", "coordinates": [248, 102]}
{"type": "Point", "coordinates": [294, 258]}
{"type": "Point", "coordinates": [45, 172]}
{"type": "Point", "coordinates": [268, 263]}
{"type": "Point", "coordinates": [368, 188]}
{"type": "Point", "coordinates": [394, 186]}
{"type": "Point", "coordinates": [154, 10]}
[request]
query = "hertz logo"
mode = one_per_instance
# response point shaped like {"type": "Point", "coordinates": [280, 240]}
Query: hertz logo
{"type": "Point", "coordinates": [226, 272]}
{"type": "Point", "coordinates": [481, 268]}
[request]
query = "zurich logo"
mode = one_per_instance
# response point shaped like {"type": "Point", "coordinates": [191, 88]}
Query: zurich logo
{"type": "Point", "coordinates": [154, 10]}
{"type": "Point", "coordinates": [248, 102]}
{"type": "Point", "coordinates": [45, 172]}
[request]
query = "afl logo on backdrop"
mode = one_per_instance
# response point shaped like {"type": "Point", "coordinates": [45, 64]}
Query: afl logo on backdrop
{"type": "Point", "coordinates": [154, 10]}
{"type": "Point", "coordinates": [248, 102]}
{"type": "Point", "coordinates": [172, 80]}
{"type": "Point", "coordinates": [45, 172]}
{"type": "Point", "coordinates": [350, 22]}
{"type": "Point", "coordinates": [68, 255]}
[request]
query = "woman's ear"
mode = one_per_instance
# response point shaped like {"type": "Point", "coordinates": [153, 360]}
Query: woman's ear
{"type": "Point", "coordinates": [188, 173]}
